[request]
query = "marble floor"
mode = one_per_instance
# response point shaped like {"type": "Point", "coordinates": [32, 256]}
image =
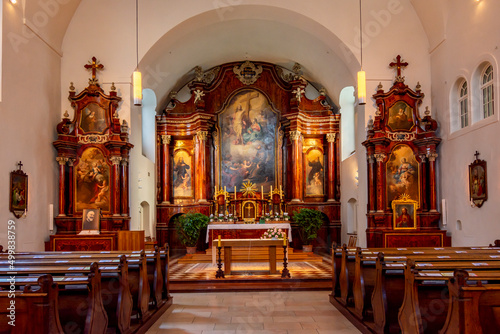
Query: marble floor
{"type": "Point", "coordinates": [284, 312]}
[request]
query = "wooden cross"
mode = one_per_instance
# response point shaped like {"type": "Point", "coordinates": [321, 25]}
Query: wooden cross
{"type": "Point", "coordinates": [398, 64]}
{"type": "Point", "coordinates": [94, 65]}
{"type": "Point", "coordinates": [476, 155]}
{"type": "Point", "coordinates": [19, 165]}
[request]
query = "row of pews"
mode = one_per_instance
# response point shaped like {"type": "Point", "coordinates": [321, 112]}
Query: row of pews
{"type": "Point", "coordinates": [418, 290]}
{"type": "Point", "coordinates": [83, 292]}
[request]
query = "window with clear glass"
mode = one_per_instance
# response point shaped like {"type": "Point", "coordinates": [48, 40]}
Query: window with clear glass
{"type": "Point", "coordinates": [463, 102]}
{"type": "Point", "coordinates": [487, 97]}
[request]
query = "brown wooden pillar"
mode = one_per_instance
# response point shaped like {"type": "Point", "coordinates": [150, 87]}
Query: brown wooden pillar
{"type": "Point", "coordinates": [297, 169]}
{"type": "Point", "coordinates": [371, 183]}
{"type": "Point", "coordinates": [125, 185]}
{"type": "Point", "coordinates": [62, 182]}
{"type": "Point", "coordinates": [165, 175]}
{"type": "Point", "coordinates": [115, 205]}
{"type": "Point", "coordinates": [423, 182]}
{"type": "Point", "coordinates": [331, 182]}
{"type": "Point", "coordinates": [380, 157]}
{"type": "Point", "coordinates": [200, 166]}
{"type": "Point", "coordinates": [432, 180]}
{"type": "Point", "coordinates": [71, 185]}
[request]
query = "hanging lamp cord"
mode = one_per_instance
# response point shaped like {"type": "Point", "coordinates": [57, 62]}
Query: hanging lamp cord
{"type": "Point", "coordinates": [137, 33]}
{"type": "Point", "coordinates": [360, 34]}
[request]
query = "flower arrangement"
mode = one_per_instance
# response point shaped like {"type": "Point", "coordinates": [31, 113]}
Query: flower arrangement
{"type": "Point", "coordinates": [273, 233]}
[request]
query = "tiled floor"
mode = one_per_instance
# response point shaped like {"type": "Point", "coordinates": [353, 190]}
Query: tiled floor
{"type": "Point", "coordinates": [286, 312]}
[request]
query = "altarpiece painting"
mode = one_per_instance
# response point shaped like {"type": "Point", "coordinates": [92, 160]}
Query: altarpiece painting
{"type": "Point", "coordinates": [402, 174]}
{"type": "Point", "coordinates": [315, 172]}
{"type": "Point", "coordinates": [183, 174]}
{"type": "Point", "coordinates": [248, 141]}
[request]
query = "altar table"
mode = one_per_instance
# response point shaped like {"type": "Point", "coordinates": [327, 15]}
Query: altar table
{"type": "Point", "coordinates": [229, 243]}
{"type": "Point", "coordinates": [212, 227]}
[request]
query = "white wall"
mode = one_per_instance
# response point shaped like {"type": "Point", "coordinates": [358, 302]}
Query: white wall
{"type": "Point", "coordinates": [30, 110]}
{"type": "Point", "coordinates": [471, 37]}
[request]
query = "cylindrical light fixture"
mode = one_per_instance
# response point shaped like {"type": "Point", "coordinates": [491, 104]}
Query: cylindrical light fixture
{"type": "Point", "coordinates": [137, 76]}
{"type": "Point", "coordinates": [361, 73]}
{"type": "Point", "coordinates": [361, 87]}
{"type": "Point", "coordinates": [137, 82]}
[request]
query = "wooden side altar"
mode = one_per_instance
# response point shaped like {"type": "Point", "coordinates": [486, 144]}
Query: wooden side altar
{"type": "Point", "coordinates": [401, 148]}
{"type": "Point", "coordinates": [248, 129]}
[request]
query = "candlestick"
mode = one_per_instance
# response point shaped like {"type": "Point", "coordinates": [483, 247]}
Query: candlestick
{"type": "Point", "coordinates": [281, 193]}
{"type": "Point", "coordinates": [219, 243]}
{"type": "Point", "coordinates": [261, 192]}
{"type": "Point", "coordinates": [235, 192]}
{"type": "Point", "coordinates": [284, 241]}
{"type": "Point", "coordinates": [271, 192]}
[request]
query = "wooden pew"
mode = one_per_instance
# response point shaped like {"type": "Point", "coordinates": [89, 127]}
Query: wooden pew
{"type": "Point", "coordinates": [36, 312]}
{"type": "Point", "coordinates": [80, 305]}
{"type": "Point", "coordinates": [425, 304]}
{"type": "Point", "coordinates": [114, 285]}
{"type": "Point", "coordinates": [473, 309]}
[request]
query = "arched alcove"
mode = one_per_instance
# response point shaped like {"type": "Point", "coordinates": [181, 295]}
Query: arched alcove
{"type": "Point", "coordinates": [146, 219]}
{"type": "Point", "coordinates": [352, 216]}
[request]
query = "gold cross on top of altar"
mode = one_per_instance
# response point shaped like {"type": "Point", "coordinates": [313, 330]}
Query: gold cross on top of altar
{"type": "Point", "coordinates": [94, 65]}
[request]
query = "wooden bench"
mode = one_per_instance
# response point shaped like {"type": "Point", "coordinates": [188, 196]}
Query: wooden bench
{"type": "Point", "coordinates": [79, 303]}
{"type": "Point", "coordinates": [36, 311]}
{"type": "Point", "coordinates": [472, 309]}
{"type": "Point", "coordinates": [426, 299]}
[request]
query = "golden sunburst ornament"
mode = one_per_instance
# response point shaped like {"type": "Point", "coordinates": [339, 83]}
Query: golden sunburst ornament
{"type": "Point", "coordinates": [248, 188]}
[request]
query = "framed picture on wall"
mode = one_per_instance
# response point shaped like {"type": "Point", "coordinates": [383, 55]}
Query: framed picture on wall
{"type": "Point", "coordinates": [478, 185]}
{"type": "Point", "coordinates": [404, 214]}
{"type": "Point", "coordinates": [18, 203]}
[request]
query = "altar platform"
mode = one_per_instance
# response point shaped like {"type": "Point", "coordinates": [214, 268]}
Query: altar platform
{"type": "Point", "coordinates": [195, 273]}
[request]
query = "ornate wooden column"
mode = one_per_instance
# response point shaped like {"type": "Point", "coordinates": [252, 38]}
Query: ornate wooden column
{"type": "Point", "coordinates": [330, 138]}
{"type": "Point", "coordinates": [297, 170]}
{"type": "Point", "coordinates": [432, 180]}
{"type": "Point", "coordinates": [62, 182]}
{"type": "Point", "coordinates": [200, 166]}
{"type": "Point", "coordinates": [423, 182]}
{"type": "Point", "coordinates": [124, 178]}
{"type": "Point", "coordinates": [115, 175]}
{"type": "Point", "coordinates": [380, 157]}
{"type": "Point", "coordinates": [71, 185]}
{"type": "Point", "coordinates": [165, 163]}
{"type": "Point", "coordinates": [371, 183]}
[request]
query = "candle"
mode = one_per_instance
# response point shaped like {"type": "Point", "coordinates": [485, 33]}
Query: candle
{"type": "Point", "coordinates": [262, 192]}
{"type": "Point", "coordinates": [284, 241]}
{"type": "Point", "coordinates": [235, 192]}
{"type": "Point", "coordinates": [271, 192]}
{"type": "Point", "coordinates": [281, 193]}
{"type": "Point", "coordinates": [219, 243]}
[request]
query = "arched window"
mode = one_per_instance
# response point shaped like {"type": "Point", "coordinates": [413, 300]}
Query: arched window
{"type": "Point", "coordinates": [463, 102]}
{"type": "Point", "coordinates": [487, 91]}
{"type": "Point", "coordinates": [348, 122]}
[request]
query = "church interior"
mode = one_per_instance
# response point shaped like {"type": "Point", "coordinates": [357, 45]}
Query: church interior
{"type": "Point", "coordinates": [376, 119]}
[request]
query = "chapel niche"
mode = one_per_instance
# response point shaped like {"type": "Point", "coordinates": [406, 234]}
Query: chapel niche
{"type": "Point", "coordinates": [92, 155]}
{"type": "Point", "coordinates": [401, 159]}
{"type": "Point", "coordinates": [251, 143]}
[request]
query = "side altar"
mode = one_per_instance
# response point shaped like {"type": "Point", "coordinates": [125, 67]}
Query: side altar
{"type": "Point", "coordinates": [401, 148]}
{"type": "Point", "coordinates": [248, 141]}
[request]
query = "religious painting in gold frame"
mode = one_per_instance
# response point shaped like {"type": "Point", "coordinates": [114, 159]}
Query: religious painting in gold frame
{"type": "Point", "coordinates": [315, 172]}
{"type": "Point", "coordinates": [402, 174]}
{"type": "Point", "coordinates": [400, 117]}
{"type": "Point", "coordinates": [183, 174]}
{"type": "Point", "coordinates": [92, 181]}
{"type": "Point", "coordinates": [18, 203]}
{"type": "Point", "coordinates": [93, 119]}
{"type": "Point", "coordinates": [478, 186]}
{"type": "Point", "coordinates": [404, 213]}
{"type": "Point", "coordinates": [248, 135]}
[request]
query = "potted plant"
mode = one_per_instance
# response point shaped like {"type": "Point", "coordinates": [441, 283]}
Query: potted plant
{"type": "Point", "coordinates": [309, 221]}
{"type": "Point", "coordinates": [189, 227]}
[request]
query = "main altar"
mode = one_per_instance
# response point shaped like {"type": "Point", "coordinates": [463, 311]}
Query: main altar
{"type": "Point", "coordinates": [247, 143]}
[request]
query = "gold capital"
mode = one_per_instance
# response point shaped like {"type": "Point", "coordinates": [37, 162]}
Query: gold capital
{"type": "Point", "coordinates": [165, 139]}
{"type": "Point", "coordinates": [330, 137]}
{"type": "Point", "coordinates": [202, 135]}
{"type": "Point", "coordinates": [295, 135]}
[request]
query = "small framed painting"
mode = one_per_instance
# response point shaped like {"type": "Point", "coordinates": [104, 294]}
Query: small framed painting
{"type": "Point", "coordinates": [91, 220]}
{"type": "Point", "coordinates": [404, 214]}
{"type": "Point", "coordinates": [18, 203]}
{"type": "Point", "coordinates": [478, 185]}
